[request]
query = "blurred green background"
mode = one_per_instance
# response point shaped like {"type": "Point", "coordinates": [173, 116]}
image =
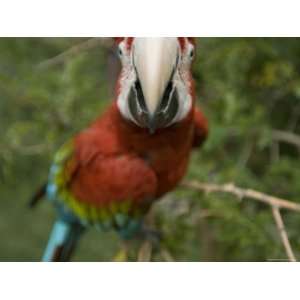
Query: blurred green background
{"type": "Point", "coordinates": [247, 87]}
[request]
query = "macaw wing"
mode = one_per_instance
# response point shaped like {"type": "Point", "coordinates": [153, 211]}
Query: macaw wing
{"type": "Point", "coordinates": [57, 176]}
{"type": "Point", "coordinates": [61, 171]}
{"type": "Point", "coordinates": [106, 190]}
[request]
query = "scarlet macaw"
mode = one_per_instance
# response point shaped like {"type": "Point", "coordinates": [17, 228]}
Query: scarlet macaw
{"type": "Point", "coordinates": [109, 174]}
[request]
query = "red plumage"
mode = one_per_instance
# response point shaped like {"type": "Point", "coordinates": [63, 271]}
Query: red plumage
{"type": "Point", "coordinates": [117, 160]}
{"type": "Point", "coordinates": [109, 174]}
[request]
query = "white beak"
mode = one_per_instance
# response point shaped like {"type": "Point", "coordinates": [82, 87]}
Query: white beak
{"type": "Point", "coordinates": [154, 60]}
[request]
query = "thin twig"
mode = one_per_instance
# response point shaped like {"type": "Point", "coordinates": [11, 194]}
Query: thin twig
{"type": "Point", "coordinates": [166, 255]}
{"type": "Point", "coordinates": [87, 45]}
{"type": "Point", "coordinates": [283, 234]}
{"type": "Point", "coordinates": [287, 137]}
{"type": "Point", "coordinates": [230, 188]}
{"type": "Point", "coordinates": [274, 202]}
{"type": "Point", "coordinates": [145, 252]}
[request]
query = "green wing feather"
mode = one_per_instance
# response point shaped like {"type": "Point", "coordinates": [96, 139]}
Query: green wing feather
{"type": "Point", "coordinates": [59, 178]}
{"type": "Point", "coordinates": [60, 175]}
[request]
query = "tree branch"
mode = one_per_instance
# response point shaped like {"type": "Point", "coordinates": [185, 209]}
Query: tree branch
{"type": "Point", "coordinates": [87, 45]}
{"type": "Point", "coordinates": [283, 234]}
{"type": "Point", "coordinates": [287, 137]}
{"type": "Point", "coordinates": [166, 255]}
{"type": "Point", "coordinates": [145, 252]}
{"type": "Point", "coordinates": [230, 188]}
{"type": "Point", "coordinates": [274, 202]}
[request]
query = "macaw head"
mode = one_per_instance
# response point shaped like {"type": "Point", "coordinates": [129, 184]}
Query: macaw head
{"type": "Point", "coordinates": [155, 88]}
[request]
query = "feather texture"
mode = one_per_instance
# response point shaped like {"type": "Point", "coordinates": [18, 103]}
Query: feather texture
{"type": "Point", "coordinates": [110, 174]}
{"type": "Point", "coordinates": [62, 241]}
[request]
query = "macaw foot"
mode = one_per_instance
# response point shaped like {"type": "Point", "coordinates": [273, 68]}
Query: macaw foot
{"type": "Point", "coordinates": [152, 235]}
{"type": "Point", "coordinates": [150, 239]}
{"type": "Point", "coordinates": [151, 242]}
{"type": "Point", "coordinates": [145, 252]}
{"type": "Point", "coordinates": [122, 254]}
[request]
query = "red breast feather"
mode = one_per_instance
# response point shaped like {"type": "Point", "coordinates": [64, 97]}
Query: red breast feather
{"type": "Point", "coordinates": [118, 161]}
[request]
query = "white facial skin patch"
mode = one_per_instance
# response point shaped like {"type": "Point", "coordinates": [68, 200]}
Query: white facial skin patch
{"type": "Point", "coordinates": [153, 61]}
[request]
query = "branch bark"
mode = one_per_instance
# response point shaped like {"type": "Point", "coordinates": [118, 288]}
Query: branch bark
{"type": "Point", "coordinates": [145, 252]}
{"type": "Point", "coordinates": [275, 203]}
{"type": "Point", "coordinates": [166, 255]}
{"type": "Point", "coordinates": [283, 234]}
{"type": "Point", "coordinates": [230, 188]}
{"type": "Point", "coordinates": [287, 137]}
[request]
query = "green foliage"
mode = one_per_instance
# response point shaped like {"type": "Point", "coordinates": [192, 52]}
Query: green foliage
{"type": "Point", "coordinates": [246, 86]}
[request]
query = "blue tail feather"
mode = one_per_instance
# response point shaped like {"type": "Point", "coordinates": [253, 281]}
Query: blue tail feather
{"type": "Point", "coordinates": [62, 241]}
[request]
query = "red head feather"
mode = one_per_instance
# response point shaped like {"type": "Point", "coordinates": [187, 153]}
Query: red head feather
{"type": "Point", "coordinates": [181, 40]}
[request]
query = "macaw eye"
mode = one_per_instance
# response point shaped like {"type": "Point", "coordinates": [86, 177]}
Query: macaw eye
{"type": "Point", "coordinates": [120, 52]}
{"type": "Point", "coordinates": [192, 53]}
